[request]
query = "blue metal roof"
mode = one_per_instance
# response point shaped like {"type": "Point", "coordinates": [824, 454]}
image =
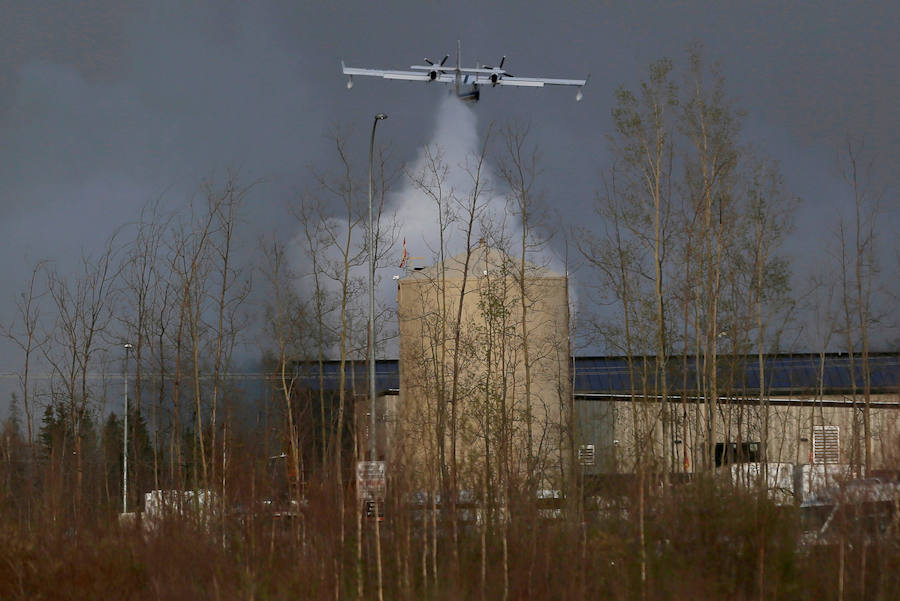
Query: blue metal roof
{"type": "Point", "coordinates": [387, 375]}
{"type": "Point", "coordinates": [736, 374]}
{"type": "Point", "coordinates": [741, 374]}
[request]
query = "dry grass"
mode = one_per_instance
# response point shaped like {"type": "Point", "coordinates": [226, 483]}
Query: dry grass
{"type": "Point", "coordinates": [703, 541]}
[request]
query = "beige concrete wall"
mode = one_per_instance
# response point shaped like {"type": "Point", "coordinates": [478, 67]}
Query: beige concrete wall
{"type": "Point", "coordinates": [791, 422]}
{"type": "Point", "coordinates": [495, 416]}
{"type": "Point", "coordinates": [791, 432]}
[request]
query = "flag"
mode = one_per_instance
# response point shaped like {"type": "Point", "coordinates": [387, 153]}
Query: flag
{"type": "Point", "coordinates": [403, 259]}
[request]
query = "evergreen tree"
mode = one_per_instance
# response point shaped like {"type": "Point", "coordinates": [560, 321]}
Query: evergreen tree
{"type": "Point", "coordinates": [12, 451]}
{"type": "Point", "coordinates": [111, 444]}
{"type": "Point", "coordinates": [13, 423]}
{"type": "Point", "coordinates": [52, 433]}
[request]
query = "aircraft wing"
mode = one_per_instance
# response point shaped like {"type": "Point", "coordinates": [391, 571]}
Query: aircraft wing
{"type": "Point", "coordinates": [407, 75]}
{"type": "Point", "coordinates": [532, 82]}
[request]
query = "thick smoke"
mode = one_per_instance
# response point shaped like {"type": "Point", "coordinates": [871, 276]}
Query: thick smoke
{"type": "Point", "coordinates": [446, 166]}
{"type": "Point", "coordinates": [448, 161]}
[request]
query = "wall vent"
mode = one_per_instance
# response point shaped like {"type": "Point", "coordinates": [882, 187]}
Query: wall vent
{"type": "Point", "coordinates": [826, 444]}
{"type": "Point", "coordinates": [586, 454]}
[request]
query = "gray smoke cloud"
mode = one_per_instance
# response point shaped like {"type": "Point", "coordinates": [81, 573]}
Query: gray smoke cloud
{"type": "Point", "coordinates": [446, 168]}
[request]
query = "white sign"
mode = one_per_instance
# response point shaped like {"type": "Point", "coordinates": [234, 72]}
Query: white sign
{"type": "Point", "coordinates": [371, 480]}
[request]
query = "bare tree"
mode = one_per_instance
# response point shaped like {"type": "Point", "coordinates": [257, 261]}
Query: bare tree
{"type": "Point", "coordinates": [29, 339]}
{"type": "Point", "coordinates": [233, 289]}
{"type": "Point", "coordinates": [314, 246]}
{"type": "Point", "coordinates": [519, 168]}
{"type": "Point", "coordinates": [644, 131]}
{"type": "Point", "coordinates": [333, 217]}
{"type": "Point", "coordinates": [644, 147]}
{"type": "Point", "coordinates": [429, 364]}
{"type": "Point", "coordinates": [711, 126]}
{"type": "Point", "coordinates": [83, 313]}
{"type": "Point", "coordinates": [160, 322]}
{"type": "Point", "coordinates": [861, 277]}
{"type": "Point", "coordinates": [441, 342]}
{"type": "Point", "coordinates": [344, 255]}
{"type": "Point", "coordinates": [143, 281]}
{"type": "Point", "coordinates": [188, 267]}
{"type": "Point", "coordinates": [471, 207]}
{"type": "Point", "coordinates": [769, 217]}
{"type": "Point", "coordinates": [286, 325]}
{"type": "Point", "coordinates": [620, 258]}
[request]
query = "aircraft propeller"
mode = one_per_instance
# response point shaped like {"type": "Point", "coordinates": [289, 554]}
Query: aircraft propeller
{"type": "Point", "coordinates": [500, 66]}
{"type": "Point", "coordinates": [496, 76]}
{"type": "Point", "coordinates": [441, 64]}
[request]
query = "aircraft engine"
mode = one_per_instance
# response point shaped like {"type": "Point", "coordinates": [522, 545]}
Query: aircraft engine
{"type": "Point", "coordinates": [494, 78]}
{"type": "Point", "coordinates": [432, 75]}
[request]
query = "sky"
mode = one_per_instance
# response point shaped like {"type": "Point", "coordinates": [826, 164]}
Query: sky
{"type": "Point", "coordinates": [105, 105]}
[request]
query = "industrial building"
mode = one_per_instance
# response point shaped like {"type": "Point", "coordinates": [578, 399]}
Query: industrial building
{"type": "Point", "coordinates": [804, 426]}
{"type": "Point", "coordinates": [507, 381]}
{"type": "Point", "coordinates": [812, 408]}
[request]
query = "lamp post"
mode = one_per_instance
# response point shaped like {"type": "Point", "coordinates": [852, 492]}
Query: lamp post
{"type": "Point", "coordinates": [371, 357]}
{"type": "Point", "coordinates": [128, 347]}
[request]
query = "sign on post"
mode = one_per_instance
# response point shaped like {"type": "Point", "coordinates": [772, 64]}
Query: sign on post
{"type": "Point", "coordinates": [371, 480]}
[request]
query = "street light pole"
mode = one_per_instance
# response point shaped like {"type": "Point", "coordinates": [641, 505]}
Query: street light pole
{"type": "Point", "coordinates": [128, 347]}
{"type": "Point", "coordinates": [371, 357]}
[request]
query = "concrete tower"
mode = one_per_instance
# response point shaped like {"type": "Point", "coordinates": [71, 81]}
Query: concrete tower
{"type": "Point", "coordinates": [486, 365]}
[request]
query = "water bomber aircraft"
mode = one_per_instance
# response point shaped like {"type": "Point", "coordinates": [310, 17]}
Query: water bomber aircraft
{"type": "Point", "coordinates": [466, 81]}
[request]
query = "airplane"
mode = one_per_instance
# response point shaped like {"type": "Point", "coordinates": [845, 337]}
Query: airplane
{"type": "Point", "coordinates": [466, 81]}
